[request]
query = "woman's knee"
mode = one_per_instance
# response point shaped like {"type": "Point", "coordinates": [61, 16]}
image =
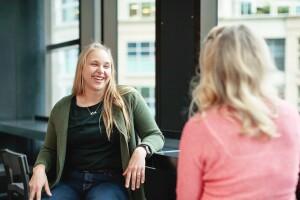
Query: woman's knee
{"type": "Point", "coordinates": [62, 191]}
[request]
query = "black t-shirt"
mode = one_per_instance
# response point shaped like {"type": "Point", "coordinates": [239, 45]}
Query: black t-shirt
{"type": "Point", "coordinates": [87, 145]}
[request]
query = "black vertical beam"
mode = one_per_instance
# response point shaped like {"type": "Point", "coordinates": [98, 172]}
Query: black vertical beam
{"type": "Point", "coordinates": [177, 48]}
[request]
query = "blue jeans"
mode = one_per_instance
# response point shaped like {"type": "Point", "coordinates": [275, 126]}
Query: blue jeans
{"type": "Point", "coordinates": [89, 186]}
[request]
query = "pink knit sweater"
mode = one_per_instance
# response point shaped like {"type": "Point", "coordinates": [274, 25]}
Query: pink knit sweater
{"type": "Point", "coordinates": [216, 162]}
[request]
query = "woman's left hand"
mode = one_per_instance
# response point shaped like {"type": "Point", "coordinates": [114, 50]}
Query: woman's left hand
{"type": "Point", "coordinates": [136, 169]}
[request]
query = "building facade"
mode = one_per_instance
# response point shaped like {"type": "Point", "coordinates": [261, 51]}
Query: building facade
{"type": "Point", "coordinates": [278, 22]}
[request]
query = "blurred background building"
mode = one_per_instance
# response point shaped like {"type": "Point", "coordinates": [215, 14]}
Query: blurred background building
{"type": "Point", "coordinates": [136, 47]}
{"type": "Point", "coordinates": [278, 21]}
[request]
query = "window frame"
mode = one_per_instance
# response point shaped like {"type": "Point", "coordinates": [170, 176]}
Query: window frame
{"type": "Point", "coordinates": [52, 47]}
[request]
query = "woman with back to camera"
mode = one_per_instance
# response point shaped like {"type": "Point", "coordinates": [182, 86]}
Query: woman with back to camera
{"type": "Point", "coordinates": [92, 137]}
{"type": "Point", "coordinates": [242, 142]}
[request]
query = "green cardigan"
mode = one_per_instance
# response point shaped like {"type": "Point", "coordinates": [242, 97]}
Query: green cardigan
{"type": "Point", "coordinates": [143, 126]}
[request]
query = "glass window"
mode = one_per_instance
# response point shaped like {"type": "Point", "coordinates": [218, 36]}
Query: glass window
{"type": "Point", "coordinates": [141, 58]}
{"type": "Point", "coordinates": [298, 10]}
{"type": "Point", "coordinates": [133, 9]}
{"type": "Point", "coordinates": [131, 45]}
{"type": "Point", "coordinates": [283, 10]}
{"type": "Point", "coordinates": [262, 8]}
{"type": "Point", "coordinates": [70, 14]}
{"type": "Point", "coordinates": [277, 49]}
{"type": "Point", "coordinates": [63, 24]}
{"type": "Point", "coordinates": [245, 8]}
{"type": "Point", "coordinates": [136, 47]}
{"type": "Point", "coordinates": [142, 9]}
{"type": "Point", "coordinates": [62, 39]}
{"type": "Point", "coordinates": [71, 56]}
{"type": "Point", "coordinates": [146, 9]}
{"type": "Point", "coordinates": [62, 71]}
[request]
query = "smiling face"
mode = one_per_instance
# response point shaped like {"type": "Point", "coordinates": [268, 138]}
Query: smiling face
{"type": "Point", "coordinates": [96, 72]}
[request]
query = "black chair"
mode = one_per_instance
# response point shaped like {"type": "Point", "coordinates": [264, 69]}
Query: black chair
{"type": "Point", "coordinates": [17, 174]}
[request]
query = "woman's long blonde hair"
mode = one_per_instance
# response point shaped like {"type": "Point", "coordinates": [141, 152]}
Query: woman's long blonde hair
{"type": "Point", "coordinates": [234, 65]}
{"type": "Point", "coordinates": [111, 96]}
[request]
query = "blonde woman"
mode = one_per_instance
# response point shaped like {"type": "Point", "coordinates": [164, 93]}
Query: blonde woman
{"type": "Point", "coordinates": [91, 150]}
{"type": "Point", "coordinates": [242, 142]}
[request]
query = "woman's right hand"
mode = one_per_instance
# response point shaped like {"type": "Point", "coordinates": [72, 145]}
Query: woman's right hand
{"type": "Point", "coordinates": [37, 182]}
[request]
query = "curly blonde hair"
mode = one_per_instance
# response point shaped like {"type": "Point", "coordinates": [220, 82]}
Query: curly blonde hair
{"type": "Point", "coordinates": [234, 65]}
